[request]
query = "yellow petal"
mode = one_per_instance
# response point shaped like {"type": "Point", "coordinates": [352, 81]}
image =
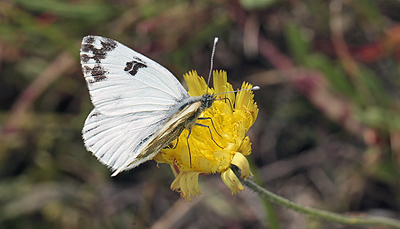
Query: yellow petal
{"type": "Point", "coordinates": [187, 183]}
{"type": "Point", "coordinates": [196, 84]}
{"type": "Point", "coordinates": [245, 148]}
{"type": "Point", "coordinates": [219, 81]}
{"type": "Point", "coordinates": [231, 181]}
{"type": "Point", "coordinates": [241, 162]}
{"type": "Point", "coordinates": [221, 85]}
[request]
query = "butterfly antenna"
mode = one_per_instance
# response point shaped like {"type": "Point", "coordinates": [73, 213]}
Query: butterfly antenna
{"type": "Point", "coordinates": [212, 62]}
{"type": "Point", "coordinates": [255, 88]}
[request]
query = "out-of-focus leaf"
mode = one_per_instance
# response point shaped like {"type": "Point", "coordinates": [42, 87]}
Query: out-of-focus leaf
{"type": "Point", "coordinates": [333, 73]}
{"type": "Point", "coordinates": [256, 4]}
{"type": "Point", "coordinates": [86, 10]}
{"type": "Point", "coordinates": [300, 49]}
{"type": "Point", "coordinates": [373, 90]}
{"type": "Point", "coordinates": [298, 44]}
{"type": "Point", "coordinates": [386, 171]}
{"type": "Point", "coordinates": [380, 118]}
{"type": "Point", "coordinates": [370, 11]}
{"type": "Point", "coordinates": [373, 116]}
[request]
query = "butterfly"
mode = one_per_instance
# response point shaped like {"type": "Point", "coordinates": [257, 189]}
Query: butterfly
{"type": "Point", "coordinates": [139, 106]}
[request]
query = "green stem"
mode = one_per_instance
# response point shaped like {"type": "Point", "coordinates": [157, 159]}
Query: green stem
{"type": "Point", "coordinates": [322, 214]}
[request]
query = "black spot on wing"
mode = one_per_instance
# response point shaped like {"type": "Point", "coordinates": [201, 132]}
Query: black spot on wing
{"type": "Point", "coordinates": [132, 67]}
{"type": "Point", "coordinates": [85, 58]}
{"type": "Point", "coordinates": [144, 140]}
{"type": "Point", "coordinates": [108, 44]}
{"type": "Point", "coordinates": [88, 130]}
{"type": "Point", "coordinates": [98, 73]}
{"type": "Point", "coordinates": [97, 54]}
{"type": "Point", "coordinates": [89, 39]}
{"type": "Point", "coordinates": [95, 114]}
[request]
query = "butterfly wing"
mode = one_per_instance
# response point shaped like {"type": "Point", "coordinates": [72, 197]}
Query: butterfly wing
{"type": "Point", "coordinates": [133, 97]}
{"type": "Point", "coordinates": [118, 140]}
{"type": "Point", "coordinates": [121, 80]}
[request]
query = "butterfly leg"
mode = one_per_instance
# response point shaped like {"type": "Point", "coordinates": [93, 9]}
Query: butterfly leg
{"type": "Point", "coordinates": [171, 145]}
{"type": "Point", "coordinates": [227, 99]}
{"type": "Point", "coordinates": [177, 141]}
{"type": "Point", "coordinates": [230, 103]}
{"type": "Point", "coordinates": [187, 140]}
{"type": "Point", "coordinates": [211, 123]}
{"type": "Point", "coordinates": [198, 124]}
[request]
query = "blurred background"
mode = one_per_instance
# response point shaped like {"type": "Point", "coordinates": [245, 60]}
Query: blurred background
{"type": "Point", "coordinates": [327, 136]}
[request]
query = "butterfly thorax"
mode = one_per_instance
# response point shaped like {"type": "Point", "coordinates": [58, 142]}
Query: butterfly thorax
{"type": "Point", "coordinates": [203, 102]}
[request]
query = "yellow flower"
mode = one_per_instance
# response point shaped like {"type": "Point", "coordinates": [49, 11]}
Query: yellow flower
{"type": "Point", "coordinates": [229, 118]}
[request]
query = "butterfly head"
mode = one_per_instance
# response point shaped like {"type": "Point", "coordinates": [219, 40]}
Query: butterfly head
{"type": "Point", "coordinates": [207, 100]}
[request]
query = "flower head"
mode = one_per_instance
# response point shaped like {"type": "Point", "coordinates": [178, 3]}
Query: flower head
{"type": "Point", "coordinates": [219, 143]}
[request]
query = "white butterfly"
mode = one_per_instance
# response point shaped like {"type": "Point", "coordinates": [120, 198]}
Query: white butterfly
{"type": "Point", "coordinates": [139, 106]}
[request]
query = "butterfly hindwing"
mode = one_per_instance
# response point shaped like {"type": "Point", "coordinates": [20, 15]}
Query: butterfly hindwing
{"type": "Point", "coordinates": [117, 140]}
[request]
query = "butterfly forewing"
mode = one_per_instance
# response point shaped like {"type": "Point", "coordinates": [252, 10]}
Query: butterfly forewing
{"type": "Point", "coordinates": [133, 97]}
{"type": "Point", "coordinates": [121, 80]}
